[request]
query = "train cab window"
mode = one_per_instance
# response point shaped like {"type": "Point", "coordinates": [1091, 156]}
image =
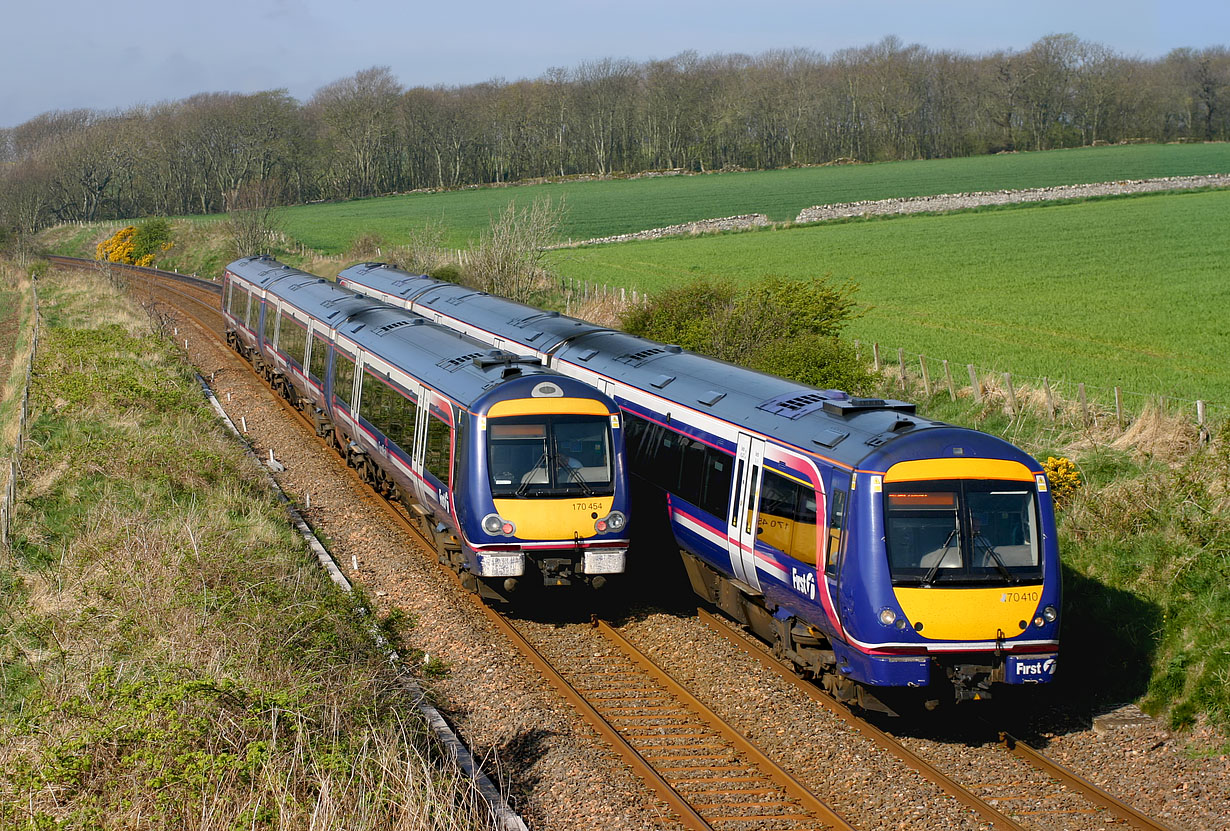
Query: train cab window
{"type": "Point", "coordinates": [550, 455]}
{"type": "Point", "coordinates": [436, 458]}
{"type": "Point", "coordinates": [343, 377]}
{"type": "Point", "coordinates": [787, 519]}
{"type": "Point", "coordinates": [319, 358]}
{"type": "Point", "coordinates": [271, 324]}
{"type": "Point", "coordinates": [972, 531]}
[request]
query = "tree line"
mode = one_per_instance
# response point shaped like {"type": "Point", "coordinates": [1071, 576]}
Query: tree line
{"type": "Point", "coordinates": [366, 135]}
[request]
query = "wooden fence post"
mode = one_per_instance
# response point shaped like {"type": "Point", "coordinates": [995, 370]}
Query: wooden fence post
{"type": "Point", "coordinates": [901, 364]}
{"type": "Point", "coordinates": [952, 389]}
{"type": "Point", "coordinates": [922, 362]}
{"type": "Point", "coordinates": [1119, 407]}
{"type": "Point", "coordinates": [973, 382]}
{"type": "Point", "coordinates": [1011, 392]}
{"type": "Point", "coordinates": [1080, 391]}
{"type": "Point", "coordinates": [1204, 431]}
{"type": "Point", "coordinates": [1050, 400]}
{"type": "Point", "coordinates": [875, 356]}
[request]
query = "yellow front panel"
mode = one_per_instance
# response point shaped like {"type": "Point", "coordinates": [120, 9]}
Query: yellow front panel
{"type": "Point", "coordinates": [554, 519]}
{"type": "Point", "coordinates": [958, 468]}
{"type": "Point", "coordinates": [969, 614]}
{"type": "Point", "coordinates": [537, 406]}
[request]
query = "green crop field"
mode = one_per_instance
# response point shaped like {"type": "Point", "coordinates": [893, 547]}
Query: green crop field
{"type": "Point", "coordinates": [596, 209]}
{"type": "Point", "coordinates": [1127, 291]}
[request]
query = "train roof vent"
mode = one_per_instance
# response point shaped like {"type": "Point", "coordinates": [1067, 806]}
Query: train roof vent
{"type": "Point", "coordinates": [397, 324]}
{"type": "Point", "coordinates": [461, 298]}
{"type": "Point", "coordinates": [794, 405]}
{"type": "Point", "coordinates": [856, 405]}
{"type": "Point", "coordinates": [454, 364]}
{"type": "Point", "coordinates": [638, 358]}
{"type": "Point", "coordinates": [711, 397]}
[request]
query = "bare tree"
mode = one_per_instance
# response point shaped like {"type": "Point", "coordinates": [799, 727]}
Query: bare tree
{"type": "Point", "coordinates": [508, 260]}
{"type": "Point", "coordinates": [253, 220]}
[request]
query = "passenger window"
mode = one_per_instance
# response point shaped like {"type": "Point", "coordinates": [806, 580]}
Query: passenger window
{"type": "Point", "coordinates": [343, 377]}
{"type": "Point", "coordinates": [293, 340]}
{"type": "Point", "coordinates": [787, 519]}
{"type": "Point", "coordinates": [271, 324]}
{"type": "Point", "coordinates": [389, 411]}
{"type": "Point", "coordinates": [436, 459]}
{"type": "Point", "coordinates": [715, 481]}
{"type": "Point", "coordinates": [319, 359]}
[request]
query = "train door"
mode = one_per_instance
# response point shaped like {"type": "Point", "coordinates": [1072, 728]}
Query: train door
{"type": "Point", "coordinates": [742, 526]}
{"type": "Point", "coordinates": [420, 447]}
{"type": "Point", "coordinates": [834, 546]}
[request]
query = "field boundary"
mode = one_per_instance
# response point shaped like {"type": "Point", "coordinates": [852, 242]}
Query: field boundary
{"type": "Point", "coordinates": [1094, 404]}
{"type": "Point", "coordinates": [13, 472]}
{"type": "Point", "coordinates": [903, 205]}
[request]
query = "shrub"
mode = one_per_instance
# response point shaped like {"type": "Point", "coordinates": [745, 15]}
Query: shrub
{"type": "Point", "coordinates": [782, 326]}
{"type": "Point", "coordinates": [1064, 478]}
{"type": "Point", "coordinates": [136, 245]}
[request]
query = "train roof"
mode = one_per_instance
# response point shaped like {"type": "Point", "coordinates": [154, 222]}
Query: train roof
{"type": "Point", "coordinates": [453, 364]}
{"type": "Point", "coordinates": [852, 431]}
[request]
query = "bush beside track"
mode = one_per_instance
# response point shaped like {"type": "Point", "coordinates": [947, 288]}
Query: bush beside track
{"type": "Point", "coordinates": [172, 657]}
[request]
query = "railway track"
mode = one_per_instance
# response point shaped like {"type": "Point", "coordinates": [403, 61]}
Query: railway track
{"type": "Point", "coordinates": [1062, 794]}
{"type": "Point", "coordinates": [702, 768]}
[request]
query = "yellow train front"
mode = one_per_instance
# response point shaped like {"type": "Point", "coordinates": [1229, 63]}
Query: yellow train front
{"type": "Point", "coordinates": [546, 465]}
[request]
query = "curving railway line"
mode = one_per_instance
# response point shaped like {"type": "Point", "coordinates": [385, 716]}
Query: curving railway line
{"type": "Point", "coordinates": [700, 766]}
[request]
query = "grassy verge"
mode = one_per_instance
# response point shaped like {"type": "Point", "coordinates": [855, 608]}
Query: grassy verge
{"type": "Point", "coordinates": [16, 339]}
{"type": "Point", "coordinates": [171, 656]}
{"type": "Point", "coordinates": [1145, 545]}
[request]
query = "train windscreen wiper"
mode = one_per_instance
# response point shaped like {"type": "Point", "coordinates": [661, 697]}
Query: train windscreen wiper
{"type": "Point", "coordinates": [926, 581]}
{"type": "Point", "coordinates": [999, 564]}
{"type": "Point", "coordinates": [528, 479]}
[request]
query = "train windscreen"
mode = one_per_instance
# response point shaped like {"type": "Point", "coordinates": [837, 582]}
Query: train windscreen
{"type": "Point", "coordinates": [550, 455]}
{"type": "Point", "coordinates": [962, 531]}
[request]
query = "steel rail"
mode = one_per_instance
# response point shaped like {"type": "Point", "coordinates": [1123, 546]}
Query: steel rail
{"type": "Point", "coordinates": [191, 279]}
{"type": "Point", "coordinates": [782, 777]}
{"type": "Point", "coordinates": [1079, 784]}
{"type": "Point", "coordinates": [1072, 780]}
{"type": "Point", "coordinates": [881, 739]}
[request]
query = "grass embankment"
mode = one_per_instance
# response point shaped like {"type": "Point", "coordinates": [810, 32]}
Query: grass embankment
{"type": "Point", "coordinates": [1123, 292]}
{"type": "Point", "coordinates": [620, 206]}
{"type": "Point", "coordinates": [171, 656]}
{"type": "Point", "coordinates": [1145, 545]}
{"type": "Point", "coordinates": [16, 340]}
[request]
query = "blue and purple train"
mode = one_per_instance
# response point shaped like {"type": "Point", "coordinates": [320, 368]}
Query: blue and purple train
{"type": "Point", "coordinates": [516, 471]}
{"type": "Point", "coordinates": [873, 548]}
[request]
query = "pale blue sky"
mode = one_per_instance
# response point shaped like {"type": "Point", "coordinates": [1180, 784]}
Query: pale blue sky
{"type": "Point", "coordinates": [119, 53]}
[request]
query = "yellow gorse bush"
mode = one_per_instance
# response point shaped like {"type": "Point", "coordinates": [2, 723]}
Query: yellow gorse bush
{"type": "Point", "coordinates": [118, 248]}
{"type": "Point", "coordinates": [1064, 478]}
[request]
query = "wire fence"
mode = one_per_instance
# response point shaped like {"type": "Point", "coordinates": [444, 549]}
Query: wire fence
{"type": "Point", "coordinates": [13, 469]}
{"type": "Point", "coordinates": [916, 372]}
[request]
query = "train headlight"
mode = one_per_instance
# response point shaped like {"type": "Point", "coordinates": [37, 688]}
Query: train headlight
{"type": "Point", "coordinates": [495, 524]}
{"type": "Point", "coordinates": [1039, 622]}
{"type": "Point", "coordinates": [887, 616]}
{"type": "Point", "coordinates": [1050, 613]}
{"type": "Point", "coordinates": [614, 523]}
